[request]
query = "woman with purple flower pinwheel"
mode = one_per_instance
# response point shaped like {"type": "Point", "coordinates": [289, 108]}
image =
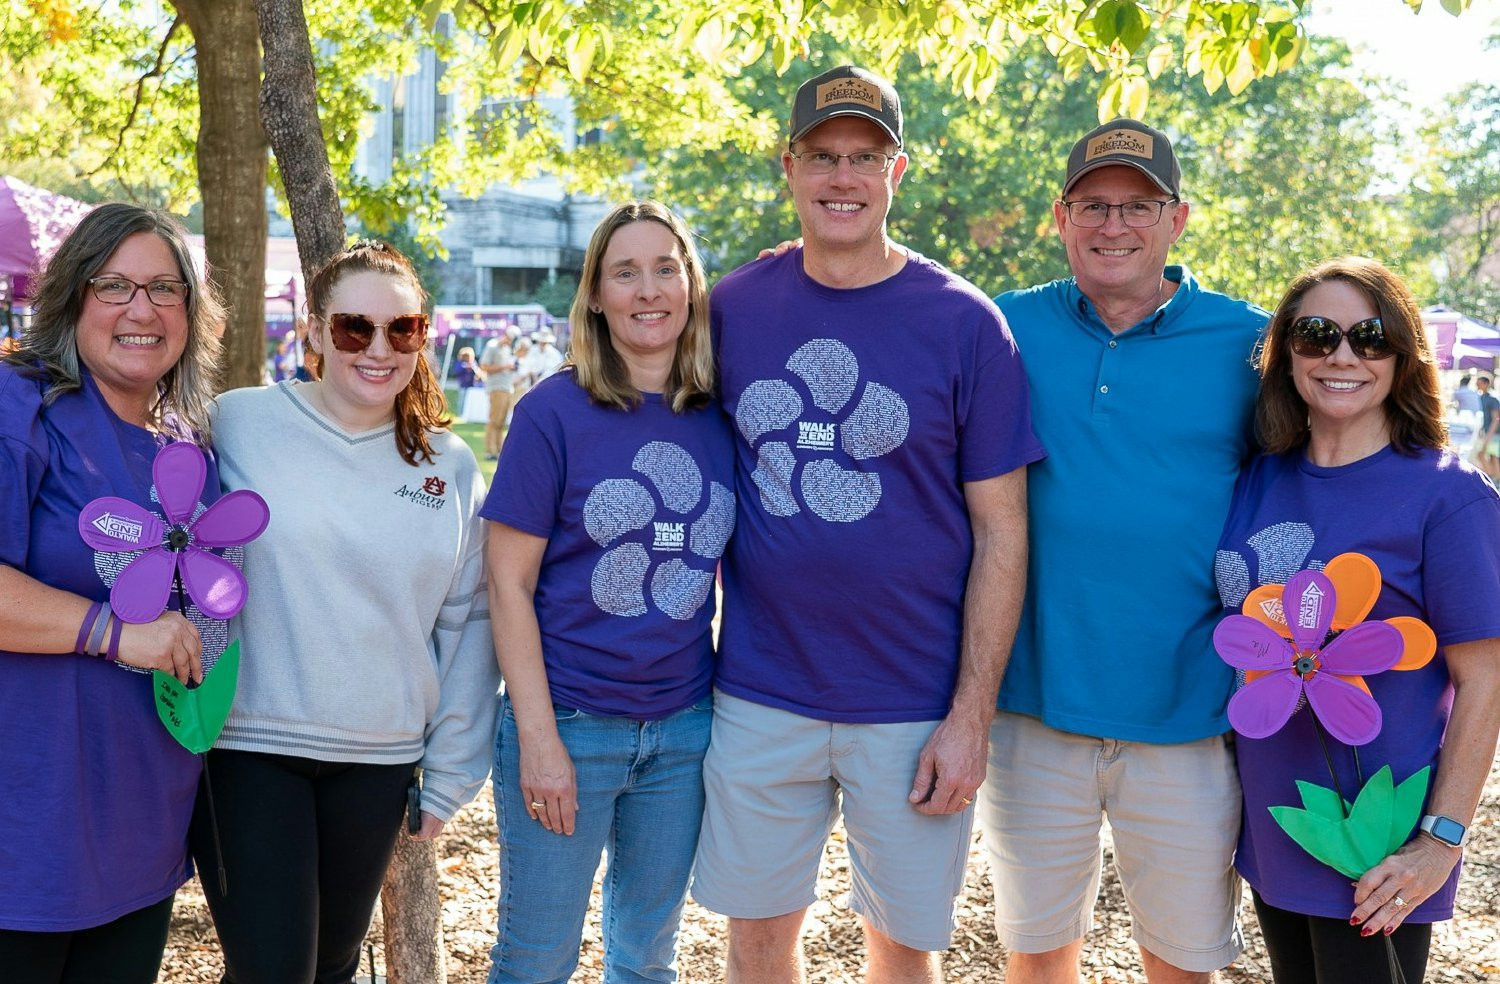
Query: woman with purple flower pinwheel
{"type": "Point", "coordinates": [366, 633]}
{"type": "Point", "coordinates": [117, 364]}
{"type": "Point", "coordinates": [1358, 556]}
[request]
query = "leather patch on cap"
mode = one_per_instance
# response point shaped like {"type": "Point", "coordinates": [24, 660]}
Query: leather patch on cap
{"type": "Point", "coordinates": [1132, 143]}
{"type": "Point", "coordinates": [848, 91]}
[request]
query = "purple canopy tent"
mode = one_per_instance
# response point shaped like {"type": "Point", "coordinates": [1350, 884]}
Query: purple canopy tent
{"type": "Point", "coordinates": [1461, 342]}
{"type": "Point", "coordinates": [488, 320]}
{"type": "Point", "coordinates": [32, 224]}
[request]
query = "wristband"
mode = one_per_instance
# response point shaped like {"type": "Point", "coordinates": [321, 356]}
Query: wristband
{"type": "Point", "coordinates": [96, 634]}
{"type": "Point", "coordinates": [113, 653]}
{"type": "Point", "coordinates": [1445, 829]}
{"type": "Point", "coordinates": [87, 628]}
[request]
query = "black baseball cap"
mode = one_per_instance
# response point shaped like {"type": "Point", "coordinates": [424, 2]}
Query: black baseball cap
{"type": "Point", "coordinates": [1131, 143]}
{"type": "Point", "coordinates": [846, 91]}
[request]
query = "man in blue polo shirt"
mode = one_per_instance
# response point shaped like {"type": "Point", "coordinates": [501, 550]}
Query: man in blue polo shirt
{"type": "Point", "coordinates": [1114, 701]}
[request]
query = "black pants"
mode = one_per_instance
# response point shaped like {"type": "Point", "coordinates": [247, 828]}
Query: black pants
{"type": "Point", "coordinates": [1314, 950]}
{"type": "Point", "coordinates": [306, 845]}
{"type": "Point", "coordinates": [126, 951]}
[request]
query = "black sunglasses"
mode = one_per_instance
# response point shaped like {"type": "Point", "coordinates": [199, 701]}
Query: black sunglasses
{"type": "Point", "coordinates": [354, 332]}
{"type": "Point", "coordinates": [1317, 338]}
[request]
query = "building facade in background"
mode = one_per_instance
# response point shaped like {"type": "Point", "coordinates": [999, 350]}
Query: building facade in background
{"type": "Point", "coordinates": [509, 240]}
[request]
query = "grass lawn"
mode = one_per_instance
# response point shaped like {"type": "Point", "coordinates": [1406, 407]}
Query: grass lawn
{"type": "Point", "coordinates": [473, 435]}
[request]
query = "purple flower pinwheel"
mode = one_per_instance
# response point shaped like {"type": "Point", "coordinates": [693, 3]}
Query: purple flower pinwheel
{"type": "Point", "coordinates": [1283, 673]}
{"type": "Point", "coordinates": [180, 547]}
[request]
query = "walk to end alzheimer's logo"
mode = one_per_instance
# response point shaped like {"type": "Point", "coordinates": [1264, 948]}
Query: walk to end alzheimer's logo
{"type": "Point", "coordinates": [662, 530]}
{"type": "Point", "coordinates": [807, 426]}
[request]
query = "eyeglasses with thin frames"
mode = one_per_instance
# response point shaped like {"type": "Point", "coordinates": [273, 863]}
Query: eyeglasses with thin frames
{"type": "Point", "coordinates": [1141, 214]}
{"type": "Point", "coordinates": [862, 162]}
{"type": "Point", "coordinates": [121, 290]}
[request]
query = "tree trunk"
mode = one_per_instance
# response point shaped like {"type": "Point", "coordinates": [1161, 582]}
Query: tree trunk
{"type": "Point", "coordinates": [232, 175]}
{"type": "Point", "coordinates": [410, 907]}
{"type": "Point", "coordinates": [289, 110]}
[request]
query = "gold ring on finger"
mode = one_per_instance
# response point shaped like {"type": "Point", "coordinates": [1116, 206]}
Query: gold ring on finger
{"type": "Point", "coordinates": [1398, 902]}
{"type": "Point", "coordinates": [538, 806]}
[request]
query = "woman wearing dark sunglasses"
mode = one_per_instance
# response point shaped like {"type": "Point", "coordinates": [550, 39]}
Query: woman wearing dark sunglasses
{"type": "Point", "coordinates": [1351, 420]}
{"type": "Point", "coordinates": [610, 508]}
{"type": "Point", "coordinates": [366, 641]}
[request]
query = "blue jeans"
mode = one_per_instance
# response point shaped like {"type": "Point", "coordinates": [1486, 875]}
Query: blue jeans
{"type": "Point", "coordinates": [640, 802]}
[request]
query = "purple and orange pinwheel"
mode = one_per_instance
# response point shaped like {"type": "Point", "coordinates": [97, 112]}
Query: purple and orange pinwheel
{"type": "Point", "coordinates": [180, 547]}
{"type": "Point", "coordinates": [1282, 643]}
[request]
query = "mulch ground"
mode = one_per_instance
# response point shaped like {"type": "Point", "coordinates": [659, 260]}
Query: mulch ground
{"type": "Point", "coordinates": [1467, 949]}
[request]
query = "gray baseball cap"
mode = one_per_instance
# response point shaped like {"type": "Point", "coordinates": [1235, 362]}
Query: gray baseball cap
{"type": "Point", "coordinates": [846, 91]}
{"type": "Point", "coordinates": [1131, 143]}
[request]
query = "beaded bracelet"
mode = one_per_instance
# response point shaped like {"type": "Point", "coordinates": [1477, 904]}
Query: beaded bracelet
{"type": "Point", "coordinates": [87, 628]}
{"type": "Point", "coordinates": [96, 635]}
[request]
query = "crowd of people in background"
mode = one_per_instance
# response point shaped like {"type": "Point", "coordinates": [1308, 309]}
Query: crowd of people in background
{"type": "Point", "coordinates": [978, 567]}
{"type": "Point", "coordinates": [1478, 409]}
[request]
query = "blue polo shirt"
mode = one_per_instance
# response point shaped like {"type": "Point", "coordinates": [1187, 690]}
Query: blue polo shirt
{"type": "Point", "coordinates": [1146, 431]}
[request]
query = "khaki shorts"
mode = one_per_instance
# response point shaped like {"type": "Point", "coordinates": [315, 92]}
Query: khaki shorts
{"type": "Point", "coordinates": [776, 783]}
{"type": "Point", "coordinates": [1174, 811]}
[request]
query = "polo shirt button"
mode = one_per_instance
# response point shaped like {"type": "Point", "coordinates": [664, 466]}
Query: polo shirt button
{"type": "Point", "coordinates": [1104, 389]}
{"type": "Point", "coordinates": [1113, 343]}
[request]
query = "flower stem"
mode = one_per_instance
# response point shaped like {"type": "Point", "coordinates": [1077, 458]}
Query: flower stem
{"type": "Point", "coordinates": [1344, 801]}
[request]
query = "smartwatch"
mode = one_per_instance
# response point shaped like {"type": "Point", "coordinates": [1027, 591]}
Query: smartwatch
{"type": "Point", "coordinates": [1445, 829]}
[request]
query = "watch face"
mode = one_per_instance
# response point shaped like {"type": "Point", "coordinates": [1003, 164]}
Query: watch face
{"type": "Point", "coordinates": [1448, 831]}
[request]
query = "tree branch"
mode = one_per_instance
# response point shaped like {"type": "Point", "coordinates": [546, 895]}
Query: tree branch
{"type": "Point", "coordinates": [140, 95]}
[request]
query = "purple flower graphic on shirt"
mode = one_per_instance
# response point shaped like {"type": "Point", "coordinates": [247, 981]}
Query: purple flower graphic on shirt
{"type": "Point", "coordinates": [876, 425]}
{"type": "Point", "coordinates": [644, 523]}
{"type": "Point", "coordinates": [180, 547]}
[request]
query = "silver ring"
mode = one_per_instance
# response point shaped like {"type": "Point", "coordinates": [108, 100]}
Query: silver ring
{"type": "Point", "coordinates": [538, 806]}
{"type": "Point", "coordinates": [1398, 902]}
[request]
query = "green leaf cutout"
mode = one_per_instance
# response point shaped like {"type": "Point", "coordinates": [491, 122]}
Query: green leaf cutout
{"type": "Point", "coordinates": [1322, 800]}
{"type": "Point", "coordinates": [195, 717]}
{"type": "Point", "coordinates": [1330, 841]}
{"type": "Point", "coordinates": [1410, 796]}
{"type": "Point", "coordinates": [1379, 822]}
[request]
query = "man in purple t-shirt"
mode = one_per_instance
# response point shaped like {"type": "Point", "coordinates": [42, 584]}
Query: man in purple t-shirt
{"type": "Point", "coordinates": [878, 565]}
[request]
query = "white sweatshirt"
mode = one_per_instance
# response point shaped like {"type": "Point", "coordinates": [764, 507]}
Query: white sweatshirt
{"type": "Point", "coordinates": [367, 634]}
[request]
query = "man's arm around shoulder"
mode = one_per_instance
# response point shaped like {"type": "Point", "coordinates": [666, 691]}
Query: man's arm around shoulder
{"type": "Point", "coordinates": [953, 762]}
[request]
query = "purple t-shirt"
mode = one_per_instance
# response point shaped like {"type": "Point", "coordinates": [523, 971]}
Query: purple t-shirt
{"type": "Point", "coordinates": [859, 414]}
{"type": "Point", "coordinates": [97, 795]}
{"type": "Point", "coordinates": [1430, 523]}
{"type": "Point", "coordinates": [636, 507]}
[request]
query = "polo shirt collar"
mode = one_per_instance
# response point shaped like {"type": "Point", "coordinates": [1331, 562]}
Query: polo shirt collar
{"type": "Point", "coordinates": [1162, 320]}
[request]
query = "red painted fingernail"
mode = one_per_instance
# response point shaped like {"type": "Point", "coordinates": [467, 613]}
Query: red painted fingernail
{"type": "Point", "coordinates": [1367, 931]}
{"type": "Point", "coordinates": [1389, 930]}
{"type": "Point", "coordinates": [1354, 920]}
